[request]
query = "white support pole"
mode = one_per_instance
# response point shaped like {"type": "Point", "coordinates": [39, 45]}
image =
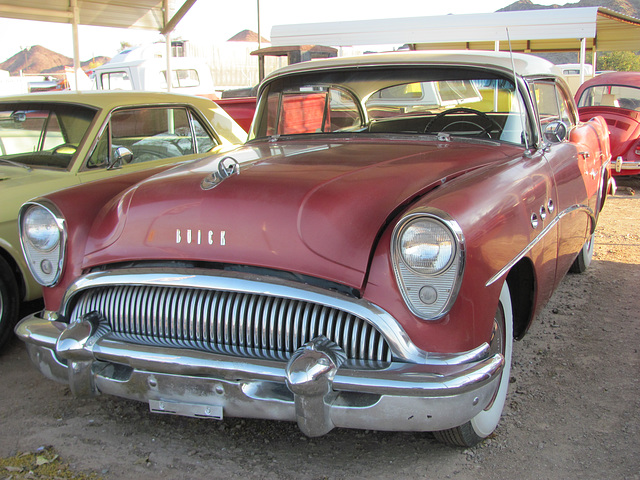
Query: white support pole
{"type": "Point", "coordinates": [583, 54]}
{"type": "Point", "coordinates": [259, 34]}
{"type": "Point", "coordinates": [167, 38]}
{"type": "Point", "coordinates": [496, 47]}
{"type": "Point", "coordinates": [75, 19]}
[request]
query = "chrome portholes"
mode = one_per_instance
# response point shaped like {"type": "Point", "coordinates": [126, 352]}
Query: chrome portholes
{"type": "Point", "coordinates": [541, 215]}
{"type": "Point", "coordinates": [548, 227]}
{"type": "Point", "coordinates": [534, 220]}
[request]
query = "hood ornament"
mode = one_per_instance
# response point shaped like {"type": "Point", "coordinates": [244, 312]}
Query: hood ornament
{"type": "Point", "coordinates": [227, 166]}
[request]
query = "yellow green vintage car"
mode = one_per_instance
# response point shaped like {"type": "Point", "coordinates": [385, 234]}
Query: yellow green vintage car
{"type": "Point", "coordinates": [52, 141]}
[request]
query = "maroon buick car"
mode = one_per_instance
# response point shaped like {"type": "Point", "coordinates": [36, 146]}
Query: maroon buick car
{"type": "Point", "coordinates": [363, 261]}
{"type": "Point", "coordinates": [615, 97]}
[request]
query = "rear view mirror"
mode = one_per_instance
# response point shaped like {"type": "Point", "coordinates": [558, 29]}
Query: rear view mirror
{"type": "Point", "coordinates": [555, 132]}
{"type": "Point", "coordinates": [19, 117]}
{"type": "Point", "coordinates": [120, 156]}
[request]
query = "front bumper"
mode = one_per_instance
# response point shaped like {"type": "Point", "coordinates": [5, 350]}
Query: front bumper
{"type": "Point", "coordinates": [316, 387]}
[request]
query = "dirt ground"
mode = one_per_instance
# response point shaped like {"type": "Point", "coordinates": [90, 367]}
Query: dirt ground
{"type": "Point", "coordinates": [573, 410]}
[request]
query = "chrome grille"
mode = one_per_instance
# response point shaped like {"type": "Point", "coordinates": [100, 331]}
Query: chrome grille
{"type": "Point", "coordinates": [228, 322]}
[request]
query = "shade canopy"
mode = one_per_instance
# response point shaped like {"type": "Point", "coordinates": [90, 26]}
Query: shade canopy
{"type": "Point", "coordinates": [551, 30]}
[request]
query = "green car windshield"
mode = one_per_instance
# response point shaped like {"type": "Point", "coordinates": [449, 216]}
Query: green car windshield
{"type": "Point", "coordinates": [40, 135]}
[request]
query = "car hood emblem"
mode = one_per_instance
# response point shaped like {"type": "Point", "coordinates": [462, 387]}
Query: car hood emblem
{"type": "Point", "coordinates": [227, 167]}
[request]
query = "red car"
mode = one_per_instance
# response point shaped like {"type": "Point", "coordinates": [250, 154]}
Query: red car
{"type": "Point", "coordinates": [364, 260]}
{"type": "Point", "coordinates": [616, 97]}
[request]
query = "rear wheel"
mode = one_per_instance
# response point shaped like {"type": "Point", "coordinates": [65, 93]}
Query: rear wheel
{"type": "Point", "coordinates": [9, 302]}
{"type": "Point", "coordinates": [484, 423]}
{"type": "Point", "coordinates": [583, 260]}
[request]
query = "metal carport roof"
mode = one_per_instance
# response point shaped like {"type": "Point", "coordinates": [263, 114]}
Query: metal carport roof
{"type": "Point", "coordinates": [159, 15]}
{"type": "Point", "coordinates": [558, 29]}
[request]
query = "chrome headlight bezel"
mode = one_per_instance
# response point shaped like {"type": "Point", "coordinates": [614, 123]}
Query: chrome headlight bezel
{"type": "Point", "coordinates": [46, 261]}
{"type": "Point", "coordinates": [430, 287]}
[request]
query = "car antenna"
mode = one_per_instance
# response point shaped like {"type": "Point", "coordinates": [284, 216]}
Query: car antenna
{"type": "Point", "coordinates": [515, 80]}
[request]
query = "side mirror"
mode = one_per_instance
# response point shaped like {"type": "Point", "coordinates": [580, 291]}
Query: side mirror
{"type": "Point", "coordinates": [555, 132]}
{"type": "Point", "coordinates": [120, 156]}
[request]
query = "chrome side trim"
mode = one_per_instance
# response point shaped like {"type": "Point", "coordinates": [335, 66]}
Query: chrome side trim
{"type": "Point", "coordinates": [399, 343]}
{"type": "Point", "coordinates": [538, 238]}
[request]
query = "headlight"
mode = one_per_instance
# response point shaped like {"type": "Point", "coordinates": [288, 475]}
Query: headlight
{"type": "Point", "coordinates": [42, 237]}
{"type": "Point", "coordinates": [427, 246]}
{"type": "Point", "coordinates": [428, 261]}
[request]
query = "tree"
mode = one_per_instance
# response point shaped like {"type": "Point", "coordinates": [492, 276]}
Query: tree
{"type": "Point", "coordinates": [619, 61]}
{"type": "Point", "coordinates": [124, 45]}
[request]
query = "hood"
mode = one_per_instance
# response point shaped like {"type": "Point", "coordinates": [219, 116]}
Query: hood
{"type": "Point", "coordinates": [18, 184]}
{"type": "Point", "coordinates": [11, 172]}
{"type": "Point", "coordinates": [314, 208]}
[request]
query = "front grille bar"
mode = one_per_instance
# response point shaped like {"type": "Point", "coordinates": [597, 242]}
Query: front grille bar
{"type": "Point", "coordinates": [237, 323]}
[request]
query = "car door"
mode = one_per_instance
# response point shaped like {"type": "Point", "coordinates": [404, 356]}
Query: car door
{"type": "Point", "coordinates": [572, 162]}
{"type": "Point", "coordinates": [147, 137]}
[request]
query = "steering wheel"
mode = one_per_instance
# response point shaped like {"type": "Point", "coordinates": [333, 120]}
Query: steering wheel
{"type": "Point", "coordinates": [65, 146]}
{"type": "Point", "coordinates": [491, 124]}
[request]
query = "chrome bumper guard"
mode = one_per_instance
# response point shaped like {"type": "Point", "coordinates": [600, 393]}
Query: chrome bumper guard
{"type": "Point", "coordinates": [622, 165]}
{"type": "Point", "coordinates": [316, 387]}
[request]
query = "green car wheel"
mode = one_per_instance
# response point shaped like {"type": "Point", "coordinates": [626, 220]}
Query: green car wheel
{"type": "Point", "coordinates": [8, 302]}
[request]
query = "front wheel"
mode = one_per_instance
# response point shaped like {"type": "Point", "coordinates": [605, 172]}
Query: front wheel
{"type": "Point", "coordinates": [485, 422]}
{"type": "Point", "coordinates": [9, 302]}
{"type": "Point", "coordinates": [583, 260]}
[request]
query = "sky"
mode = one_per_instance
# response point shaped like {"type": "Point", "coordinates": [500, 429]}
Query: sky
{"type": "Point", "coordinates": [215, 21]}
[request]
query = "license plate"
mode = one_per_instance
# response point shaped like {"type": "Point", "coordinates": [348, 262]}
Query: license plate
{"type": "Point", "coordinates": [186, 409]}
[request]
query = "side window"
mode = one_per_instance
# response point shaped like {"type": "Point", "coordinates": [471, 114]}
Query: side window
{"type": "Point", "coordinates": [182, 78]}
{"type": "Point", "coordinates": [547, 100]}
{"type": "Point", "coordinates": [204, 141]}
{"type": "Point", "coordinates": [152, 133]}
{"type": "Point", "coordinates": [343, 111]}
{"type": "Point", "coordinates": [116, 81]}
{"type": "Point", "coordinates": [100, 155]}
{"type": "Point", "coordinates": [565, 109]}
{"type": "Point", "coordinates": [311, 110]}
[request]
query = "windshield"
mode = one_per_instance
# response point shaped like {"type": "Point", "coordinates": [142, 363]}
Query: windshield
{"type": "Point", "coordinates": [458, 102]}
{"type": "Point", "coordinates": [611, 96]}
{"type": "Point", "coordinates": [37, 135]}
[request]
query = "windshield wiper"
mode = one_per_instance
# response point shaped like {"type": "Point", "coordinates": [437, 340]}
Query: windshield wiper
{"type": "Point", "coordinates": [16, 164]}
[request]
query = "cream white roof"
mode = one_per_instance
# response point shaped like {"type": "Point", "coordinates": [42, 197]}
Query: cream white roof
{"type": "Point", "coordinates": [525, 65]}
